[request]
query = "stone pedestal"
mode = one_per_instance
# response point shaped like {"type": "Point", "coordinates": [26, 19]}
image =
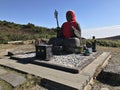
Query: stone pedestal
{"type": "Point", "coordinates": [44, 52]}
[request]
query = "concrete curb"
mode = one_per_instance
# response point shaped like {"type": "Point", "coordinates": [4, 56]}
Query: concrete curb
{"type": "Point", "coordinates": [97, 71]}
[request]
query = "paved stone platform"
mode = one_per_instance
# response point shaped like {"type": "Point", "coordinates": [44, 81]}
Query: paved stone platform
{"type": "Point", "coordinates": [73, 81]}
{"type": "Point", "coordinates": [0, 88]}
{"type": "Point", "coordinates": [72, 63]}
{"type": "Point", "coordinates": [2, 71]}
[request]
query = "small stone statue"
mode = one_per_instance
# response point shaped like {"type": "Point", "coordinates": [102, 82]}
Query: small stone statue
{"type": "Point", "coordinates": [94, 44]}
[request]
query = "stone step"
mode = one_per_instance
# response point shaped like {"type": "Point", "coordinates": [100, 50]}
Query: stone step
{"type": "Point", "coordinates": [2, 72]}
{"type": "Point", "coordinates": [13, 79]}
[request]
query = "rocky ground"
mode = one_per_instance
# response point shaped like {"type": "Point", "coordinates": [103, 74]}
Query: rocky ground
{"type": "Point", "coordinates": [109, 78]}
{"type": "Point", "coordinates": [102, 82]}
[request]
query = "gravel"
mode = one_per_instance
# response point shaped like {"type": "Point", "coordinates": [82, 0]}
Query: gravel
{"type": "Point", "coordinates": [71, 60]}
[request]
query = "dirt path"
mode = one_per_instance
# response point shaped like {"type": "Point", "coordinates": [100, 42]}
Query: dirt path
{"type": "Point", "coordinates": [109, 79]}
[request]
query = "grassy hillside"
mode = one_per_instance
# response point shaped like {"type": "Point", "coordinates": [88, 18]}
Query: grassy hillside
{"type": "Point", "coordinates": [10, 31]}
{"type": "Point", "coordinates": [109, 41]}
{"type": "Point", "coordinates": [113, 38]}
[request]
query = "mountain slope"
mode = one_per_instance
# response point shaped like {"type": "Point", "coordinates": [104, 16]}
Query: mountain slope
{"type": "Point", "coordinates": [113, 38]}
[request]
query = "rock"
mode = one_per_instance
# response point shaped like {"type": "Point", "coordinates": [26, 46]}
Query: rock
{"type": "Point", "coordinates": [13, 79]}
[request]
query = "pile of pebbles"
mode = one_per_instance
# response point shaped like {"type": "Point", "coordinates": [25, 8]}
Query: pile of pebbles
{"type": "Point", "coordinates": [67, 60]}
{"type": "Point", "coordinates": [72, 60]}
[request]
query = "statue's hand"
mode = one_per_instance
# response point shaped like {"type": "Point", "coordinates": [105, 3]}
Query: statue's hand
{"type": "Point", "coordinates": [73, 28]}
{"type": "Point", "coordinates": [76, 32]}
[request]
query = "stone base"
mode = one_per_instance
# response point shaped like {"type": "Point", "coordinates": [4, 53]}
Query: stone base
{"type": "Point", "coordinates": [72, 63]}
{"type": "Point", "coordinates": [74, 81]}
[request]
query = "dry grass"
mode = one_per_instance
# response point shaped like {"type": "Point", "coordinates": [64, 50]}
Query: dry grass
{"type": "Point", "coordinates": [108, 49]}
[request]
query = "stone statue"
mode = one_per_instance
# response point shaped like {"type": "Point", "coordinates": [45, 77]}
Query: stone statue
{"type": "Point", "coordinates": [69, 35]}
{"type": "Point", "coordinates": [94, 44]}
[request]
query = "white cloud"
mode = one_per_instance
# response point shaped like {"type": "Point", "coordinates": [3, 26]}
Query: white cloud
{"type": "Point", "coordinates": [101, 32]}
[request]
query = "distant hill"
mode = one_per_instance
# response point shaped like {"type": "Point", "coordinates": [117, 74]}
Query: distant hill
{"type": "Point", "coordinates": [113, 41]}
{"type": "Point", "coordinates": [112, 38]}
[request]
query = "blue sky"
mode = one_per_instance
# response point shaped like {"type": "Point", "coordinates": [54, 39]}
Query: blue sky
{"type": "Point", "coordinates": [89, 13]}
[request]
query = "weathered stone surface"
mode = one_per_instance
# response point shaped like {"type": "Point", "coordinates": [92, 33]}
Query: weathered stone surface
{"type": "Point", "coordinates": [13, 79]}
{"type": "Point", "coordinates": [2, 71]}
{"type": "Point", "coordinates": [14, 52]}
{"type": "Point", "coordinates": [23, 56]}
{"type": "Point", "coordinates": [0, 88]}
{"type": "Point", "coordinates": [76, 81]}
{"type": "Point", "coordinates": [72, 42]}
{"type": "Point", "coordinates": [104, 89]}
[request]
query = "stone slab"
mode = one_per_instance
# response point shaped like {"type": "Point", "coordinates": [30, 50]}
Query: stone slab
{"type": "Point", "coordinates": [13, 79]}
{"type": "Point", "coordinates": [0, 88]}
{"type": "Point", "coordinates": [100, 62]}
{"type": "Point", "coordinates": [2, 71]}
{"type": "Point", "coordinates": [104, 89]}
{"type": "Point", "coordinates": [76, 81]}
{"type": "Point", "coordinates": [24, 56]}
{"type": "Point", "coordinates": [14, 52]}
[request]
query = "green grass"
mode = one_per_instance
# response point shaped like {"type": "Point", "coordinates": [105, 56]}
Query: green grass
{"type": "Point", "coordinates": [109, 43]}
{"type": "Point", "coordinates": [10, 31]}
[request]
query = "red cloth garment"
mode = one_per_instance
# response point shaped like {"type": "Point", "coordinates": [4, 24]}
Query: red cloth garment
{"type": "Point", "coordinates": [66, 27]}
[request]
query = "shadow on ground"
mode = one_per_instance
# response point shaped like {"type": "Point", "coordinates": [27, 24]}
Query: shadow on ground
{"type": "Point", "coordinates": [109, 78]}
{"type": "Point", "coordinates": [50, 85]}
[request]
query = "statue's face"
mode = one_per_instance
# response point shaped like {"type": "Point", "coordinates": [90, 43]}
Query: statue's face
{"type": "Point", "coordinates": [69, 17]}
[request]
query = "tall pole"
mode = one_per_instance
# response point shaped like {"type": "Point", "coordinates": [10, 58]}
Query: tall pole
{"type": "Point", "coordinates": [56, 17]}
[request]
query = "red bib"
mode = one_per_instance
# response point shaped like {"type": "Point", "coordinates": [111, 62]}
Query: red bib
{"type": "Point", "coordinates": [66, 28]}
